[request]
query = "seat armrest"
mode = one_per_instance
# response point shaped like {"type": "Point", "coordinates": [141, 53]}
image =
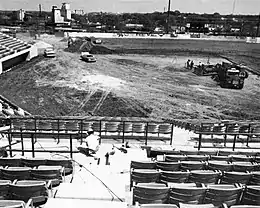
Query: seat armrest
{"type": "Point", "coordinates": [29, 203]}
{"type": "Point", "coordinates": [224, 205]}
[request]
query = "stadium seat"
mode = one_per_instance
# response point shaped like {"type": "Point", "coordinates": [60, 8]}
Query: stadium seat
{"type": "Point", "coordinates": [71, 126]}
{"type": "Point", "coordinates": [111, 127]}
{"type": "Point", "coordinates": [145, 194]}
{"type": "Point", "coordinates": [208, 152]}
{"type": "Point", "coordinates": [240, 158]}
{"type": "Point", "coordinates": [183, 205]}
{"type": "Point", "coordinates": [219, 165]}
{"type": "Point", "coordinates": [11, 162]}
{"type": "Point", "coordinates": [66, 163]}
{"type": "Point", "coordinates": [158, 206]}
{"type": "Point", "coordinates": [12, 204]}
{"type": "Point", "coordinates": [143, 165]}
{"type": "Point", "coordinates": [189, 152]}
{"type": "Point", "coordinates": [219, 194]}
{"type": "Point", "coordinates": [251, 195]}
{"type": "Point", "coordinates": [204, 176]}
{"type": "Point", "coordinates": [227, 153]}
{"type": "Point", "coordinates": [144, 176]}
{"type": "Point", "coordinates": [255, 179]}
{"type": "Point", "coordinates": [243, 166]}
{"type": "Point", "coordinates": [192, 165]}
{"type": "Point", "coordinates": [175, 158]}
{"type": "Point", "coordinates": [221, 158]}
{"type": "Point", "coordinates": [4, 189]}
{"type": "Point", "coordinates": [153, 128]}
{"type": "Point", "coordinates": [187, 194]}
{"type": "Point", "coordinates": [33, 162]}
{"type": "Point", "coordinates": [138, 128]}
{"type": "Point", "coordinates": [174, 177]}
{"type": "Point", "coordinates": [165, 129]}
{"type": "Point", "coordinates": [15, 173]}
{"type": "Point", "coordinates": [197, 157]}
{"type": "Point", "coordinates": [24, 190]}
{"type": "Point", "coordinates": [167, 166]}
{"type": "Point", "coordinates": [97, 127]}
{"type": "Point", "coordinates": [235, 177]}
{"type": "Point", "coordinates": [48, 173]}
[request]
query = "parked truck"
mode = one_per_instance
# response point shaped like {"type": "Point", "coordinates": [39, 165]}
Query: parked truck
{"type": "Point", "coordinates": [228, 75]}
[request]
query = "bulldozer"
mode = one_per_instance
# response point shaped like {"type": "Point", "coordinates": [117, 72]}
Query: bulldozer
{"type": "Point", "coordinates": [227, 75]}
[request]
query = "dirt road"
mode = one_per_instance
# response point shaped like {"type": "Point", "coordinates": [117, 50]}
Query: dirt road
{"type": "Point", "coordinates": [152, 85]}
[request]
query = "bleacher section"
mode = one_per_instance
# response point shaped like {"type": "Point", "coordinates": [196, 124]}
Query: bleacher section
{"type": "Point", "coordinates": [14, 51]}
{"type": "Point", "coordinates": [232, 134]}
{"type": "Point", "coordinates": [198, 184]}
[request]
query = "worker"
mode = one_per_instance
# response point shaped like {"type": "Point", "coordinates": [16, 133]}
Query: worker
{"type": "Point", "coordinates": [91, 145]}
{"type": "Point", "coordinates": [191, 65]}
{"type": "Point", "coordinates": [200, 64]}
{"type": "Point", "coordinates": [188, 64]}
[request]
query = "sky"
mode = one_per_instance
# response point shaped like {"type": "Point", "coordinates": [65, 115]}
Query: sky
{"type": "Point", "coordinates": [196, 6]}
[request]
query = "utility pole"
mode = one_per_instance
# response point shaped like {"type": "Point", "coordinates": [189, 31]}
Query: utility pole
{"type": "Point", "coordinates": [258, 25]}
{"type": "Point", "coordinates": [40, 10]}
{"type": "Point", "coordinates": [168, 16]}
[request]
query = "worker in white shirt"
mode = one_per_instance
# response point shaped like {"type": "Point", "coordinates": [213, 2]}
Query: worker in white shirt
{"type": "Point", "coordinates": [91, 145]}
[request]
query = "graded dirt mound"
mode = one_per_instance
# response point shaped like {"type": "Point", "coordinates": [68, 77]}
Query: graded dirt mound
{"type": "Point", "coordinates": [87, 45]}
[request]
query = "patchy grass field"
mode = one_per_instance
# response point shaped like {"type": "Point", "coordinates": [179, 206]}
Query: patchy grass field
{"type": "Point", "coordinates": [143, 78]}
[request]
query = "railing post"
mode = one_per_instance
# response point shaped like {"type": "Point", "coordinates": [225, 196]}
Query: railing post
{"type": "Point", "coordinates": [81, 130]}
{"type": "Point", "coordinates": [234, 143]}
{"type": "Point", "coordinates": [32, 141]}
{"type": "Point", "coordinates": [10, 142]}
{"type": "Point", "coordinates": [58, 131]}
{"type": "Point", "coordinates": [35, 129]}
{"type": "Point", "coordinates": [225, 135]}
{"type": "Point", "coordinates": [248, 136]}
{"type": "Point", "coordinates": [171, 134]}
{"type": "Point", "coordinates": [146, 133]}
{"type": "Point", "coordinates": [123, 140]}
{"type": "Point", "coordinates": [22, 144]}
{"type": "Point", "coordinates": [71, 154]}
{"type": "Point", "coordinates": [100, 129]}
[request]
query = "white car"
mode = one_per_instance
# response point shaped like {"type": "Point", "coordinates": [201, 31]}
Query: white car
{"type": "Point", "coordinates": [86, 56]}
{"type": "Point", "coordinates": [49, 52]}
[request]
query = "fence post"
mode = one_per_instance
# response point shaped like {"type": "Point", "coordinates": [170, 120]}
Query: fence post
{"type": "Point", "coordinates": [100, 129]}
{"type": "Point", "coordinates": [58, 131]}
{"type": "Point", "coordinates": [22, 142]}
{"type": "Point", "coordinates": [171, 134]}
{"type": "Point", "coordinates": [123, 140]}
{"type": "Point", "coordinates": [146, 133]}
{"type": "Point", "coordinates": [71, 154]}
{"type": "Point", "coordinates": [32, 141]}
{"type": "Point", "coordinates": [225, 135]}
{"type": "Point", "coordinates": [35, 129]}
{"type": "Point", "coordinates": [10, 142]}
{"type": "Point", "coordinates": [234, 143]}
{"type": "Point", "coordinates": [81, 130]}
{"type": "Point", "coordinates": [248, 136]}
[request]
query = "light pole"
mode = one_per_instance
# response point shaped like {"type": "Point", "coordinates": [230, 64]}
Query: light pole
{"type": "Point", "coordinates": [168, 16]}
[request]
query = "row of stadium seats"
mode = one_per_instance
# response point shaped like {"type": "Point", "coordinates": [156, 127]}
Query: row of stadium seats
{"type": "Point", "coordinates": [191, 194]}
{"type": "Point", "coordinates": [198, 165]}
{"type": "Point", "coordinates": [194, 176]}
{"type": "Point", "coordinates": [42, 173]}
{"type": "Point", "coordinates": [103, 126]}
{"type": "Point", "coordinates": [235, 155]}
{"type": "Point", "coordinates": [35, 162]}
{"type": "Point", "coordinates": [24, 190]}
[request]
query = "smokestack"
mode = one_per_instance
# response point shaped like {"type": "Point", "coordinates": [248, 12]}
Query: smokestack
{"type": "Point", "coordinates": [168, 17]}
{"type": "Point", "coordinates": [40, 10]}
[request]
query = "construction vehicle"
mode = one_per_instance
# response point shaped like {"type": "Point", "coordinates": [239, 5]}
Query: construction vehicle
{"type": "Point", "coordinates": [227, 75]}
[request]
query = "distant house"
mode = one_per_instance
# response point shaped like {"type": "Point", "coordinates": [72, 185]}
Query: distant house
{"type": "Point", "coordinates": [134, 26]}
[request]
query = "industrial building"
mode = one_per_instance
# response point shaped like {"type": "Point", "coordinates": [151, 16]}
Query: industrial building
{"type": "Point", "coordinates": [62, 15]}
{"type": "Point", "coordinates": [14, 51]}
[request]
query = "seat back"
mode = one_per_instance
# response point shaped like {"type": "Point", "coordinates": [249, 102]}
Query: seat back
{"type": "Point", "coordinates": [24, 190]}
{"type": "Point", "coordinates": [219, 165]}
{"type": "Point", "coordinates": [33, 162]}
{"type": "Point", "coordinates": [168, 166]}
{"type": "Point", "coordinates": [174, 176]}
{"type": "Point", "coordinates": [66, 163]}
{"type": "Point", "coordinates": [235, 177]}
{"type": "Point", "coordinates": [255, 179]}
{"type": "Point", "coordinates": [197, 157]}
{"type": "Point", "coordinates": [4, 189]}
{"type": "Point", "coordinates": [144, 176]}
{"type": "Point", "coordinates": [243, 166]}
{"type": "Point", "coordinates": [204, 176]}
{"type": "Point", "coordinates": [145, 194]}
{"type": "Point", "coordinates": [190, 195]}
{"type": "Point", "coordinates": [218, 194]}
{"type": "Point", "coordinates": [143, 165]}
{"type": "Point", "coordinates": [251, 195]}
{"type": "Point", "coordinates": [192, 165]}
{"type": "Point", "coordinates": [11, 162]}
{"type": "Point", "coordinates": [13, 173]}
{"type": "Point", "coordinates": [158, 206]}
{"type": "Point", "coordinates": [175, 158]}
{"type": "Point", "coordinates": [12, 204]}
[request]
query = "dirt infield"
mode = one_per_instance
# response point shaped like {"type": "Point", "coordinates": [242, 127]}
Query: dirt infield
{"type": "Point", "coordinates": [142, 78]}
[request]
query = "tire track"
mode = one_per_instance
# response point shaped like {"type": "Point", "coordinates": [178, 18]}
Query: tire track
{"type": "Point", "coordinates": [101, 101]}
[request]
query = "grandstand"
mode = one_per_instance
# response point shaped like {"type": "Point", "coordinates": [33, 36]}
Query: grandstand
{"type": "Point", "coordinates": [14, 51]}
